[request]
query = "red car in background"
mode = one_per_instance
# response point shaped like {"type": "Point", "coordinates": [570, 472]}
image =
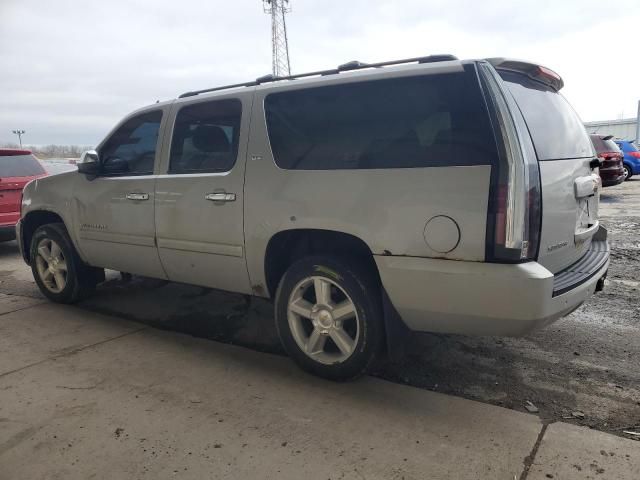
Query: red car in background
{"type": "Point", "coordinates": [610, 156]}
{"type": "Point", "coordinates": [17, 168]}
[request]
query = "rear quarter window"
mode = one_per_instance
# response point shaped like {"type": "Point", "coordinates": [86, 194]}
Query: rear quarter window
{"type": "Point", "coordinates": [20, 166]}
{"type": "Point", "coordinates": [410, 122]}
{"type": "Point", "coordinates": [556, 129]}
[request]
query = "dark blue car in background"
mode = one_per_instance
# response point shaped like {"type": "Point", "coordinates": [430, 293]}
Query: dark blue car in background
{"type": "Point", "coordinates": [631, 161]}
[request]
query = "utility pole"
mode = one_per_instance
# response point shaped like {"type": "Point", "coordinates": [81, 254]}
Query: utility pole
{"type": "Point", "coordinates": [279, 43]}
{"type": "Point", "coordinates": [19, 133]}
{"type": "Point", "coordinates": [638, 125]}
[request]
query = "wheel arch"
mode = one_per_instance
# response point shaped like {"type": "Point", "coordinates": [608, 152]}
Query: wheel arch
{"type": "Point", "coordinates": [629, 167]}
{"type": "Point", "coordinates": [31, 222]}
{"type": "Point", "coordinates": [287, 246]}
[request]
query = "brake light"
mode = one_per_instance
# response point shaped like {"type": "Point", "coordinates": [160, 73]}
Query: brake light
{"type": "Point", "coordinates": [634, 154]}
{"type": "Point", "coordinates": [513, 231]}
{"type": "Point", "coordinates": [547, 72]}
{"type": "Point", "coordinates": [610, 155]}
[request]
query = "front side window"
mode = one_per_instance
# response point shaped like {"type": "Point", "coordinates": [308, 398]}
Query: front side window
{"type": "Point", "coordinates": [205, 137]}
{"type": "Point", "coordinates": [411, 122]}
{"type": "Point", "coordinates": [131, 150]}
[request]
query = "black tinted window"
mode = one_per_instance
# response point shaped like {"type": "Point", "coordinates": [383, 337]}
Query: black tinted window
{"type": "Point", "coordinates": [131, 150]}
{"type": "Point", "coordinates": [20, 166]}
{"type": "Point", "coordinates": [398, 123]}
{"type": "Point", "coordinates": [555, 128]}
{"type": "Point", "coordinates": [205, 137]}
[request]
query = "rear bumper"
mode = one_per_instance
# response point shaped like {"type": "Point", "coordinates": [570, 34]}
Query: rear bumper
{"type": "Point", "coordinates": [609, 180]}
{"type": "Point", "coordinates": [474, 298]}
{"type": "Point", "coordinates": [7, 232]}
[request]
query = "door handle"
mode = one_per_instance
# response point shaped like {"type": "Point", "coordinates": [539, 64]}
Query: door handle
{"type": "Point", "coordinates": [220, 197]}
{"type": "Point", "coordinates": [138, 196]}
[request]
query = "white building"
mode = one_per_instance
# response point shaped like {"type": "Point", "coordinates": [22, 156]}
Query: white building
{"type": "Point", "coordinates": [624, 128]}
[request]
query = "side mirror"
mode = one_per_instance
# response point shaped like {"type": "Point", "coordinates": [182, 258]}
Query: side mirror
{"type": "Point", "coordinates": [89, 163]}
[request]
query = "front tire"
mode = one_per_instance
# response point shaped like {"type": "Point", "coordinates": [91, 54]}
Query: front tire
{"type": "Point", "coordinates": [329, 316]}
{"type": "Point", "coordinates": [57, 269]}
{"type": "Point", "coordinates": [627, 171]}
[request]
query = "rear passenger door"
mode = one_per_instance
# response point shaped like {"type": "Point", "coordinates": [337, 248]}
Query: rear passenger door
{"type": "Point", "coordinates": [199, 198]}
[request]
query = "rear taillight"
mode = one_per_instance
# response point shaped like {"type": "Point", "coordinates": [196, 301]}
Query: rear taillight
{"type": "Point", "coordinates": [634, 154]}
{"type": "Point", "coordinates": [609, 158]}
{"type": "Point", "coordinates": [514, 220]}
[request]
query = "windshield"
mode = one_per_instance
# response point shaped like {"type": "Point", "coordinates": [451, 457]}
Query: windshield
{"type": "Point", "coordinates": [555, 128]}
{"type": "Point", "coordinates": [20, 166]}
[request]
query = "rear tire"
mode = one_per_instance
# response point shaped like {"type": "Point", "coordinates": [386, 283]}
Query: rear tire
{"type": "Point", "coordinates": [329, 316]}
{"type": "Point", "coordinates": [57, 268]}
{"type": "Point", "coordinates": [627, 171]}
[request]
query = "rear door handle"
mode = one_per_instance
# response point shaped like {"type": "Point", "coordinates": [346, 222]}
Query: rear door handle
{"type": "Point", "coordinates": [138, 196]}
{"type": "Point", "coordinates": [221, 197]}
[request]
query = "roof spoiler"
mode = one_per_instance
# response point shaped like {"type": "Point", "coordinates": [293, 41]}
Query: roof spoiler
{"type": "Point", "coordinates": [536, 72]}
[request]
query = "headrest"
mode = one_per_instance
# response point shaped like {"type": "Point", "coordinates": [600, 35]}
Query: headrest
{"type": "Point", "coordinates": [210, 138]}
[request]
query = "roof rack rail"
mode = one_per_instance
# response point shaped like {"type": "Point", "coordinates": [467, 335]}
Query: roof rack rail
{"type": "Point", "coordinates": [346, 67]}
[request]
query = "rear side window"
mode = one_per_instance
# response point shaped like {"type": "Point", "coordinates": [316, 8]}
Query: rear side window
{"type": "Point", "coordinates": [20, 166]}
{"type": "Point", "coordinates": [556, 129]}
{"type": "Point", "coordinates": [205, 137]}
{"type": "Point", "coordinates": [425, 121]}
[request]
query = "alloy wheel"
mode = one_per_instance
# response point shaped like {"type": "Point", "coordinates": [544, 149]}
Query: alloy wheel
{"type": "Point", "coordinates": [51, 265]}
{"type": "Point", "coordinates": [323, 320]}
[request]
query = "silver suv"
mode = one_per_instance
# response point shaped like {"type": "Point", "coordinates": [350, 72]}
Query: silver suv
{"type": "Point", "coordinates": [427, 194]}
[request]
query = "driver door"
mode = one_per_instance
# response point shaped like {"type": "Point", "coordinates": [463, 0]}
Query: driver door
{"type": "Point", "coordinates": [114, 213]}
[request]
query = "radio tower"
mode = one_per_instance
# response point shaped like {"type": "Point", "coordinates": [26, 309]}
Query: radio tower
{"type": "Point", "coordinates": [279, 44]}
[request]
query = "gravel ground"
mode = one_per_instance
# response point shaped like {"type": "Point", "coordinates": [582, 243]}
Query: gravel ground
{"type": "Point", "coordinates": [584, 369]}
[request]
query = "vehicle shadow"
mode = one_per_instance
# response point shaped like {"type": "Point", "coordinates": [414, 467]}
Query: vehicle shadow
{"type": "Point", "coordinates": [8, 249]}
{"type": "Point", "coordinates": [197, 311]}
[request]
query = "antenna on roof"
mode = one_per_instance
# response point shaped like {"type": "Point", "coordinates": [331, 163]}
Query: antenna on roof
{"type": "Point", "coordinates": [279, 43]}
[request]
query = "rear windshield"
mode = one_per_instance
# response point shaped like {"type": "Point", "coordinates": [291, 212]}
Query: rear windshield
{"type": "Point", "coordinates": [604, 145]}
{"type": "Point", "coordinates": [414, 122]}
{"type": "Point", "coordinates": [20, 166]}
{"type": "Point", "coordinates": [556, 129]}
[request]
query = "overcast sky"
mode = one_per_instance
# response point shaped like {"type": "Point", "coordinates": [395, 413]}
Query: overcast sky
{"type": "Point", "coordinates": [69, 69]}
